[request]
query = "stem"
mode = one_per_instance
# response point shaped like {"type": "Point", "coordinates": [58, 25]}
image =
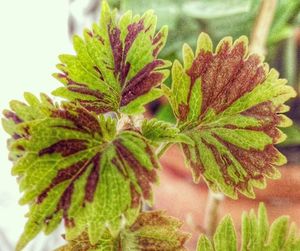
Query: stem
{"type": "Point", "coordinates": [212, 212]}
{"type": "Point", "coordinates": [262, 27]}
{"type": "Point", "coordinates": [290, 61]}
{"type": "Point", "coordinates": [162, 149]}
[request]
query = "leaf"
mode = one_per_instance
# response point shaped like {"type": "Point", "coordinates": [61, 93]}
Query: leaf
{"type": "Point", "coordinates": [154, 231]}
{"type": "Point", "coordinates": [151, 231]}
{"type": "Point", "coordinates": [234, 25]}
{"type": "Point", "coordinates": [116, 65]}
{"type": "Point", "coordinates": [168, 11]}
{"type": "Point", "coordinates": [82, 243]}
{"type": "Point", "coordinates": [76, 167]}
{"type": "Point", "coordinates": [159, 131]}
{"type": "Point", "coordinates": [22, 113]}
{"type": "Point", "coordinates": [225, 236]}
{"type": "Point", "coordinates": [230, 104]}
{"type": "Point", "coordinates": [204, 244]}
{"type": "Point", "coordinates": [281, 28]}
{"type": "Point", "coordinates": [165, 113]}
{"type": "Point", "coordinates": [211, 9]}
{"type": "Point", "coordinates": [256, 234]}
{"type": "Point", "coordinates": [293, 135]}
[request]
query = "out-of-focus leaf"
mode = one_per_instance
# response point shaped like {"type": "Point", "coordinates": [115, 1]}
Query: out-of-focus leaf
{"type": "Point", "coordinates": [168, 11]}
{"type": "Point", "coordinates": [293, 135]}
{"type": "Point", "coordinates": [165, 114]}
{"type": "Point", "coordinates": [235, 25]}
{"type": "Point", "coordinates": [211, 9]}
{"type": "Point", "coordinates": [230, 104]}
{"type": "Point", "coordinates": [281, 27]}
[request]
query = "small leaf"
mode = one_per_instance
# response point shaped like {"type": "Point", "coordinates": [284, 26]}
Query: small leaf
{"type": "Point", "coordinates": [151, 231]}
{"type": "Point", "coordinates": [225, 236]}
{"type": "Point", "coordinates": [160, 131]}
{"type": "Point", "coordinates": [278, 233]}
{"type": "Point", "coordinates": [204, 244]}
{"type": "Point", "coordinates": [230, 105]}
{"type": "Point", "coordinates": [116, 66]}
{"type": "Point", "coordinates": [82, 243]}
{"type": "Point", "coordinates": [154, 231]}
{"type": "Point", "coordinates": [74, 164]}
{"type": "Point", "coordinates": [256, 234]}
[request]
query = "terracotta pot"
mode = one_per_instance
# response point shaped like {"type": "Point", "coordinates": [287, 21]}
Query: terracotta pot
{"type": "Point", "coordinates": [180, 197]}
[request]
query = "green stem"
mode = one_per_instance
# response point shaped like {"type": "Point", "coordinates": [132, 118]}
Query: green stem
{"type": "Point", "coordinates": [212, 212]}
{"type": "Point", "coordinates": [162, 149]}
{"type": "Point", "coordinates": [262, 27]}
{"type": "Point", "coordinates": [290, 61]}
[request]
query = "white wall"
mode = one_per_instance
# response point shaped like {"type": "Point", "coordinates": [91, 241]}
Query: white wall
{"type": "Point", "coordinates": [32, 34]}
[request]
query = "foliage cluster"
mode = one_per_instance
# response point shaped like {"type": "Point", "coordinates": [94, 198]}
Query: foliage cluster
{"type": "Point", "coordinates": [91, 159]}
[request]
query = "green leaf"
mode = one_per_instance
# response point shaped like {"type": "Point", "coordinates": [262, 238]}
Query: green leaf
{"type": "Point", "coordinates": [286, 11]}
{"type": "Point", "coordinates": [168, 11]}
{"type": "Point", "coordinates": [116, 66]}
{"type": "Point", "coordinates": [256, 234]}
{"type": "Point", "coordinates": [151, 231]}
{"type": "Point", "coordinates": [211, 9]}
{"type": "Point", "coordinates": [229, 103]}
{"type": "Point", "coordinates": [293, 135]}
{"type": "Point", "coordinates": [204, 244]}
{"type": "Point", "coordinates": [82, 243]}
{"type": "Point", "coordinates": [225, 236]}
{"type": "Point", "coordinates": [22, 113]}
{"type": "Point", "coordinates": [154, 231]}
{"type": "Point", "coordinates": [75, 166]}
{"type": "Point", "coordinates": [159, 131]}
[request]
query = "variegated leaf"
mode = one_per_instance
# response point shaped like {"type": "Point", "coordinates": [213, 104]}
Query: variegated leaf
{"type": "Point", "coordinates": [75, 166]}
{"type": "Point", "coordinates": [151, 231]}
{"type": "Point", "coordinates": [82, 243]}
{"type": "Point", "coordinates": [256, 234]}
{"type": "Point", "coordinates": [230, 104]}
{"type": "Point", "coordinates": [22, 113]}
{"type": "Point", "coordinates": [154, 231]}
{"type": "Point", "coordinates": [116, 66]}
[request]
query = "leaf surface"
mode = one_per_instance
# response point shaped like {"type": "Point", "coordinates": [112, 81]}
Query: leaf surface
{"type": "Point", "coordinates": [116, 66]}
{"type": "Point", "coordinates": [75, 166]}
{"type": "Point", "coordinates": [256, 234]}
{"type": "Point", "coordinates": [151, 231]}
{"type": "Point", "coordinates": [154, 231]}
{"type": "Point", "coordinates": [21, 113]}
{"type": "Point", "coordinates": [230, 104]}
{"type": "Point", "coordinates": [159, 131]}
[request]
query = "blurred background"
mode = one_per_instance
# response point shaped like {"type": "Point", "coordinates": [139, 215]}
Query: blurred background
{"type": "Point", "coordinates": [35, 32]}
